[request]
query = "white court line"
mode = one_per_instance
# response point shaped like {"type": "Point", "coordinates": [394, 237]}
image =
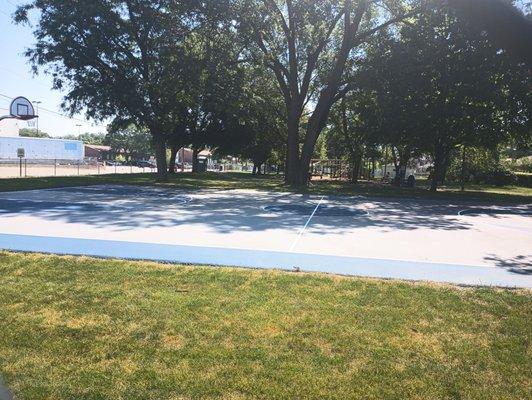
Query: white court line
{"type": "Point", "coordinates": [305, 227]}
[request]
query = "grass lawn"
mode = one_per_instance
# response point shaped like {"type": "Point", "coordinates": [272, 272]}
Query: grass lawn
{"type": "Point", "coordinates": [83, 328]}
{"type": "Point", "coordinates": [275, 183]}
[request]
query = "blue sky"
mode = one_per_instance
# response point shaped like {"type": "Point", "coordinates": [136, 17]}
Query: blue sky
{"type": "Point", "coordinates": [16, 79]}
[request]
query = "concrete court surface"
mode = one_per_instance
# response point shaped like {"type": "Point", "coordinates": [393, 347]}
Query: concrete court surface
{"type": "Point", "coordinates": [459, 242]}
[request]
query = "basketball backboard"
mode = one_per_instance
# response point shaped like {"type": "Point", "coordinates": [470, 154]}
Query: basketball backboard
{"type": "Point", "coordinates": [21, 108]}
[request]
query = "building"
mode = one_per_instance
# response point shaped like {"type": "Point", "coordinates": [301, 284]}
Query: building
{"type": "Point", "coordinates": [98, 152]}
{"type": "Point", "coordinates": [184, 155]}
{"type": "Point", "coordinates": [13, 146]}
{"type": "Point", "coordinates": [9, 127]}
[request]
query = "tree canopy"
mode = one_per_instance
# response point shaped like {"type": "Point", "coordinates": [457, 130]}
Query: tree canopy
{"type": "Point", "coordinates": [266, 78]}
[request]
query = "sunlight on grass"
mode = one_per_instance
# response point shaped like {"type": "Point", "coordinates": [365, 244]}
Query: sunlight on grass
{"type": "Point", "coordinates": [88, 328]}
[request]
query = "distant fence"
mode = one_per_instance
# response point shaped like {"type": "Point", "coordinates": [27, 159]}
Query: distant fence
{"type": "Point", "coordinates": [42, 168]}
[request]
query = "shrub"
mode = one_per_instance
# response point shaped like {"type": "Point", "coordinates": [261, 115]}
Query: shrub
{"type": "Point", "coordinates": [498, 176]}
{"type": "Point", "coordinates": [524, 179]}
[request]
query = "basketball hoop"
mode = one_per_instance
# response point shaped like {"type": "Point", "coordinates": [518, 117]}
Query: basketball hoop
{"type": "Point", "coordinates": [20, 108]}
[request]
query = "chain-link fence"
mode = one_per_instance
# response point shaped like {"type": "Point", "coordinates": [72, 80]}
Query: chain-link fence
{"type": "Point", "coordinates": [42, 168]}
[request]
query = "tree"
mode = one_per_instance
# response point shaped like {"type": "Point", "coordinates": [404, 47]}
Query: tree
{"type": "Point", "coordinates": [507, 27]}
{"type": "Point", "coordinates": [132, 142]}
{"type": "Point", "coordinates": [440, 84]}
{"type": "Point", "coordinates": [308, 45]}
{"type": "Point", "coordinates": [115, 58]}
{"type": "Point", "coordinates": [466, 93]}
{"type": "Point", "coordinates": [87, 138]}
{"type": "Point", "coordinates": [27, 132]}
{"type": "Point", "coordinates": [214, 87]}
{"type": "Point", "coordinates": [255, 122]}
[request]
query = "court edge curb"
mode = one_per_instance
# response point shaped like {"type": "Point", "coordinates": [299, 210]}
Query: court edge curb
{"type": "Point", "coordinates": [352, 266]}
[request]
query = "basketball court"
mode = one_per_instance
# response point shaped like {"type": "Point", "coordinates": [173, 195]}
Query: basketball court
{"type": "Point", "coordinates": [458, 242]}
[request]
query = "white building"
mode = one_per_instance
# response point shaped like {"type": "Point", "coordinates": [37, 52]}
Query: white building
{"type": "Point", "coordinates": [9, 127]}
{"type": "Point", "coordinates": [11, 145]}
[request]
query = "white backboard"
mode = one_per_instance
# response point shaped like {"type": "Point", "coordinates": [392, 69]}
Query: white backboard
{"type": "Point", "coordinates": [21, 108]}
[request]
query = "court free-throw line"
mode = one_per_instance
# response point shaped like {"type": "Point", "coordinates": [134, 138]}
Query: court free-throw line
{"type": "Point", "coordinates": [305, 227]}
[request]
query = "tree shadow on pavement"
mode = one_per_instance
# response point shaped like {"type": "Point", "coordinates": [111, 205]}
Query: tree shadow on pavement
{"type": "Point", "coordinates": [122, 208]}
{"type": "Point", "coordinates": [519, 265]}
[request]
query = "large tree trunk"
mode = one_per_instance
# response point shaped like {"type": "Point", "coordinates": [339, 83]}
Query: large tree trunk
{"type": "Point", "coordinates": [195, 161]}
{"type": "Point", "coordinates": [160, 156]}
{"type": "Point", "coordinates": [441, 155]}
{"type": "Point", "coordinates": [173, 154]}
{"type": "Point", "coordinates": [292, 146]}
{"type": "Point", "coordinates": [356, 169]}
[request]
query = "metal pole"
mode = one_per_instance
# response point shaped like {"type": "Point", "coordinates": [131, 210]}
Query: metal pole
{"type": "Point", "coordinates": [55, 167]}
{"type": "Point", "coordinates": [25, 168]}
{"type": "Point", "coordinates": [20, 162]}
{"type": "Point", "coordinates": [78, 167]}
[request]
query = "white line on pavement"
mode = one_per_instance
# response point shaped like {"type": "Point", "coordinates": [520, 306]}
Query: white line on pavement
{"type": "Point", "coordinates": [305, 227]}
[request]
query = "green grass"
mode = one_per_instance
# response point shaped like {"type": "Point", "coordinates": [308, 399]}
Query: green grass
{"type": "Point", "coordinates": [83, 328]}
{"type": "Point", "coordinates": [275, 183]}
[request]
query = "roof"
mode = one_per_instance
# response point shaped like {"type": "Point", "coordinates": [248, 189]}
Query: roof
{"type": "Point", "coordinates": [98, 147]}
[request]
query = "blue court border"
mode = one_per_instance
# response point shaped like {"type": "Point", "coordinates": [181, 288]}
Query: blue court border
{"type": "Point", "coordinates": [354, 266]}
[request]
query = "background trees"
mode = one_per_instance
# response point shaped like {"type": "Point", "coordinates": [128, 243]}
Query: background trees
{"type": "Point", "coordinates": [132, 142]}
{"type": "Point", "coordinates": [117, 59]}
{"type": "Point", "coordinates": [308, 45]}
{"type": "Point", "coordinates": [435, 86]}
{"type": "Point", "coordinates": [263, 78]}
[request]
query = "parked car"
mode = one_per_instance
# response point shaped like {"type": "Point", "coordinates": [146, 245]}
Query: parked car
{"type": "Point", "coordinates": [145, 164]}
{"type": "Point", "coordinates": [112, 163]}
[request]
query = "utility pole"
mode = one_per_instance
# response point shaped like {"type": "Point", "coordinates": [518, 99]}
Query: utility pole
{"type": "Point", "coordinates": [37, 102]}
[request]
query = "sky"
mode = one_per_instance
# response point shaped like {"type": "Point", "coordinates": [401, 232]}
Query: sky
{"type": "Point", "coordinates": [17, 79]}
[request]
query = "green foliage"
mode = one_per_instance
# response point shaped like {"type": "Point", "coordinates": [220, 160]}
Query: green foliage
{"type": "Point", "coordinates": [131, 142]}
{"type": "Point", "coordinates": [116, 59]}
{"type": "Point", "coordinates": [435, 84]}
{"type": "Point", "coordinates": [255, 126]}
{"type": "Point", "coordinates": [481, 166]}
{"type": "Point", "coordinates": [27, 132]}
{"type": "Point", "coordinates": [87, 138]}
{"type": "Point", "coordinates": [524, 179]}
{"type": "Point", "coordinates": [523, 164]}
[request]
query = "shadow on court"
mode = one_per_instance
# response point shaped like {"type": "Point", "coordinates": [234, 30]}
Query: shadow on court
{"type": "Point", "coordinates": [519, 265]}
{"type": "Point", "coordinates": [125, 208]}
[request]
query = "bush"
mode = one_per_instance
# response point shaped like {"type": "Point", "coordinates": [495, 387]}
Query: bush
{"type": "Point", "coordinates": [524, 179]}
{"type": "Point", "coordinates": [498, 176]}
{"type": "Point", "coordinates": [482, 166]}
{"type": "Point", "coordinates": [521, 165]}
